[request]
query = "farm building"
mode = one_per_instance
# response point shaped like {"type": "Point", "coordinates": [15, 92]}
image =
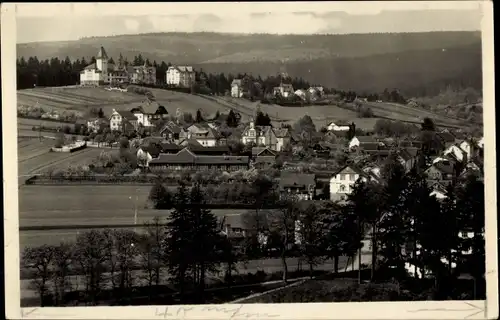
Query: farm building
{"type": "Point", "coordinates": [186, 159]}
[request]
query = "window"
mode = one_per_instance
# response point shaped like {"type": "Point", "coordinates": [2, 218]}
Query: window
{"type": "Point", "coordinates": [251, 133]}
{"type": "Point", "coordinates": [342, 188]}
{"type": "Point", "coordinates": [342, 177]}
{"type": "Point", "coordinates": [352, 177]}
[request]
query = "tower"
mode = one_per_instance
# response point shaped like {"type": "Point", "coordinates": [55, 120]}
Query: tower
{"type": "Point", "coordinates": [102, 63]}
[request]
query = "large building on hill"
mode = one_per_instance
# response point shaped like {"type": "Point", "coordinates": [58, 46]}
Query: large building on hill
{"type": "Point", "coordinates": [102, 72]}
{"type": "Point", "coordinates": [180, 76]}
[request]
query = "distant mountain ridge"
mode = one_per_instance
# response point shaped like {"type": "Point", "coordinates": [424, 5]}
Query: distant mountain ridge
{"type": "Point", "coordinates": [355, 61]}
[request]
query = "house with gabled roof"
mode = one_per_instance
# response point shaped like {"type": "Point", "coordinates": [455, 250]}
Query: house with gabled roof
{"type": "Point", "coordinates": [407, 157]}
{"type": "Point", "coordinates": [446, 138]}
{"type": "Point", "coordinates": [283, 138]}
{"type": "Point", "coordinates": [260, 135]}
{"type": "Point", "coordinates": [149, 111]}
{"type": "Point", "coordinates": [359, 141]}
{"type": "Point", "coordinates": [123, 121]}
{"type": "Point", "coordinates": [262, 151]}
{"type": "Point", "coordinates": [441, 171]}
{"type": "Point", "coordinates": [284, 89]}
{"type": "Point", "coordinates": [180, 76]}
{"type": "Point", "coordinates": [342, 182]}
{"type": "Point", "coordinates": [302, 185]}
{"type": "Point", "coordinates": [237, 88]}
{"type": "Point", "coordinates": [338, 125]}
{"type": "Point", "coordinates": [204, 134]}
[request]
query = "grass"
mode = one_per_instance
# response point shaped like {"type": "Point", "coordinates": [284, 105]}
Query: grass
{"type": "Point", "coordinates": [80, 99]}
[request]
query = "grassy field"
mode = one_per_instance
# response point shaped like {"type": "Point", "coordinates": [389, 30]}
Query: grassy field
{"type": "Point", "coordinates": [34, 156]}
{"type": "Point", "coordinates": [80, 99]}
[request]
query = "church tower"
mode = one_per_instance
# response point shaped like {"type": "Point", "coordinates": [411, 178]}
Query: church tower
{"type": "Point", "coordinates": [102, 63]}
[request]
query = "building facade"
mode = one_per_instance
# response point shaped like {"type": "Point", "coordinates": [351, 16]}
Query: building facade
{"type": "Point", "coordinates": [180, 76]}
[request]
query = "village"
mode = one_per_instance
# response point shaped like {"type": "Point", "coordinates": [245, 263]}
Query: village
{"type": "Point", "coordinates": [236, 156]}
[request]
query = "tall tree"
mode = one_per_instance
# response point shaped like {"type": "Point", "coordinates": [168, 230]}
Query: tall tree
{"type": "Point", "coordinates": [282, 223]}
{"type": "Point", "coordinates": [311, 236]}
{"type": "Point", "coordinates": [204, 242]}
{"type": "Point", "coordinates": [178, 240]}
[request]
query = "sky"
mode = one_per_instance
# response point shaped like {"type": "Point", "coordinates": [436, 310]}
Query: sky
{"type": "Point", "coordinates": [65, 21]}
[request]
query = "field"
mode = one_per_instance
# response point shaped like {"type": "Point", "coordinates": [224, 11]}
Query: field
{"type": "Point", "coordinates": [34, 156]}
{"type": "Point", "coordinates": [81, 99]}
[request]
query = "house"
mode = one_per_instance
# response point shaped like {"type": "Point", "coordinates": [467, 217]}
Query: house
{"type": "Point", "coordinates": [97, 73]}
{"type": "Point", "coordinates": [315, 92]}
{"type": "Point", "coordinates": [338, 126]}
{"type": "Point", "coordinates": [144, 157]}
{"type": "Point", "coordinates": [170, 148]}
{"type": "Point", "coordinates": [361, 140]}
{"type": "Point", "coordinates": [439, 191]}
{"type": "Point", "coordinates": [205, 135]}
{"type": "Point", "coordinates": [96, 124]}
{"type": "Point", "coordinates": [260, 135]}
{"type": "Point", "coordinates": [262, 151]}
{"type": "Point", "coordinates": [122, 121]}
{"type": "Point", "coordinates": [283, 138]}
{"type": "Point", "coordinates": [232, 227]}
{"type": "Point", "coordinates": [300, 184]}
{"type": "Point", "coordinates": [408, 158]}
{"type": "Point", "coordinates": [343, 180]}
{"type": "Point", "coordinates": [441, 171]}
{"type": "Point", "coordinates": [237, 88]}
{"type": "Point", "coordinates": [102, 72]}
{"type": "Point", "coordinates": [172, 131]}
{"type": "Point", "coordinates": [180, 76]}
{"type": "Point", "coordinates": [186, 159]}
{"type": "Point", "coordinates": [263, 162]}
{"type": "Point", "coordinates": [301, 93]}
{"type": "Point", "coordinates": [285, 90]}
{"type": "Point", "coordinates": [149, 111]}
{"type": "Point", "coordinates": [456, 152]}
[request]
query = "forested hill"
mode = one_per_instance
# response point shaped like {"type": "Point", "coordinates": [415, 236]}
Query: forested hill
{"type": "Point", "coordinates": [407, 61]}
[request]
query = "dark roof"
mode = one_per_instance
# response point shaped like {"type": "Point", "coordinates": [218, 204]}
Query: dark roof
{"type": "Point", "coordinates": [172, 127]}
{"type": "Point", "coordinates": [282, 132]}
{"type": "Point", "coordinates": [258, 150]}
{"type": "Point", "coordinates": [289, 179]}
{"type": "Point", "coordinates": [354, 168]}
{"type": "Point", "coordinates": [152, 149]}
{"type": "Point", "coordinates": [169, 147]}
{"type": "Point", "coordinates": [446, 136]}
{"type": "Point", "coordinates": [187, 157]}
{"type": "Point", "coordinates": [205, 150]}
{"type": "Point", "coordinates": [102, 54]}
{"type": "Point", "coordinates": [127, 115]}
{"type": "Point", "coordinates": [444, 166]}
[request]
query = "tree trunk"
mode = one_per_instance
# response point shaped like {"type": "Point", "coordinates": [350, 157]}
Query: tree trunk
{"type": "Point", "coordinates": [202, 282]}
{"type": "Point", "coordinates": [336, 264]}
{"type": "Point", "coordinates": [374, 251]}
{"type": "Point", "coordinates": [311, 271]}
{"type": "Point", "coordinates": [359, 265]}
{"type": "Point", "coordinates": [285, 268]}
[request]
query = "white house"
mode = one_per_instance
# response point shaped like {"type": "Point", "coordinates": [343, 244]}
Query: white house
{"type": "Point", "coordinates": [206, 136]}
{"type": "Point", "coordinates": [285, 90]}
{"type": "Point", "coordinates": [237, 88]}
{"type": "Point", "coordinates": [96, 73]}
{"type": "Point", "coordinates": [180, 76]}
{"type": "Point", "coordinates": [455, 151]}
{"type": "Point", "coordinates": [358, 140]}
{"type": "Point", "coordinates": [122, 120]}
{"type": "Point", "coordinates": [260, 135]}
{"type": "Point", "coordinates": [301, 93]}
{"type": "Point", "coordinates": [143, 158]}
{"type": "Point", "coordinates": [338, 126]}
{"type": "Point", "coordinates": [342, 182]}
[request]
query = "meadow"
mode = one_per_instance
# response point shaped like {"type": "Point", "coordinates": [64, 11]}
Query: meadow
{"type": "Point", "coordinates": [82, 99]}
{"type": "Point", "coordinates": [34, 156]}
